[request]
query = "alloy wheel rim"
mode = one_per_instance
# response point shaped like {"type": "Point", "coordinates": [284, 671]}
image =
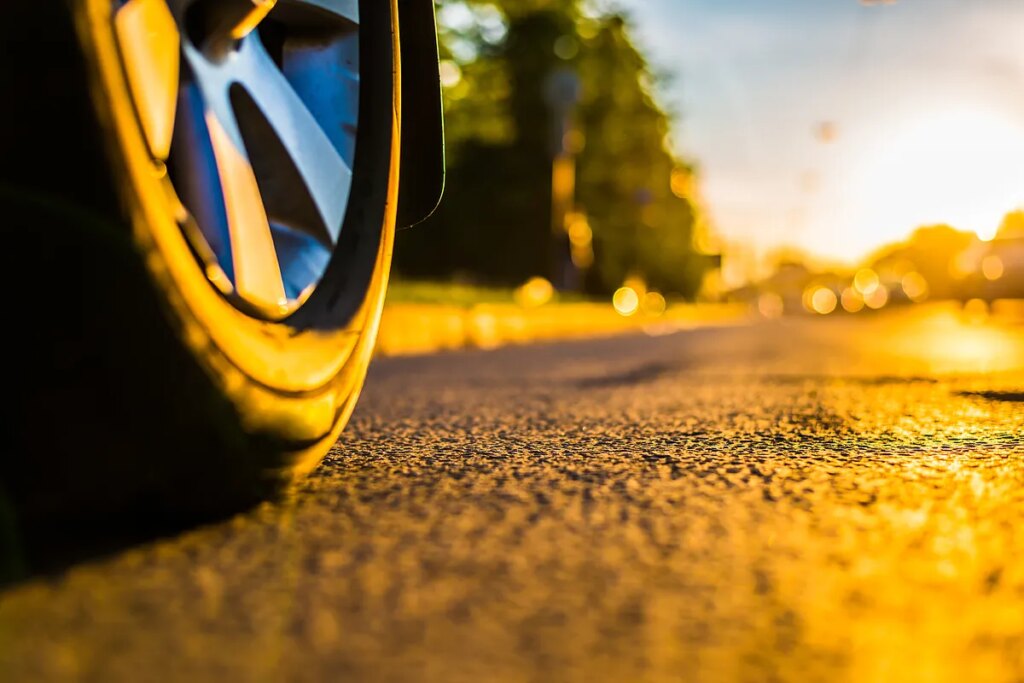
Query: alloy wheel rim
{"type": "Point", "coordinates": [251, 107]}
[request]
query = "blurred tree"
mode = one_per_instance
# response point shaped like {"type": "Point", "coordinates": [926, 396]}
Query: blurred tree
{"type": "Point", "coordinates": [626, 171]}
{"type": "Point", "coordinates": [495, 222]}
{"type": "Point", "coordinates": [934, 251]}
{"type": "Point", "coordinates": [1012, 225]}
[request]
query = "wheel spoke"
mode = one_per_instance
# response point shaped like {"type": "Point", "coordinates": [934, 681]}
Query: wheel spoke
{"type": "Point", "coordinates": [346, 9]}
{"type": "Point", "coordinates": [326, 175]}
{"type": "Point", "coordinates": [284, 181]}
{"type": "Point", "coordinates": [149, 39]}
{"type": "Point", "coordinates": [257, 272]}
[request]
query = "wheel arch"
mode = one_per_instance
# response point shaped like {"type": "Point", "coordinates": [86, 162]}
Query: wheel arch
{"type": "Point", "coordinates": [422, 144]}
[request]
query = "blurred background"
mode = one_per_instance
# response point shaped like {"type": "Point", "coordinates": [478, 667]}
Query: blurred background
{"type": "Point", "coordinates": [797, 157]}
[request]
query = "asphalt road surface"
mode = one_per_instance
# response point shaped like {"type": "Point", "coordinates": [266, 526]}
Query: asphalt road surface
{"type": "Point", "coordinates": [801, 500]}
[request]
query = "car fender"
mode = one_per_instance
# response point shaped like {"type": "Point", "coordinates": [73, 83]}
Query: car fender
{"type": "Point", "coordinates": [421, 179]}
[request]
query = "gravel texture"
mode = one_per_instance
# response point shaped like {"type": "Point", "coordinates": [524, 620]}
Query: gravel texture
{"type": "Point", "coordinates": [801, 500]}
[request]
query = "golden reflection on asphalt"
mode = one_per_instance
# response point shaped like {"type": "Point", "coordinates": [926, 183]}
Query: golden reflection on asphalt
{"type": "Point", "coordinates": [823, 498]}
{"type": "Point", "coordinates": [948, 341]}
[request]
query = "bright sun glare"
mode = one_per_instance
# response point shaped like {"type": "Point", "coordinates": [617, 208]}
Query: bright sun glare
{"type": "Point", "coordinates": [961, 167]}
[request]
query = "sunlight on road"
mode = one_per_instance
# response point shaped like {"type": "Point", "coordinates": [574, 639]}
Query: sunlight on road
{"type": "Point", "coordinates": [812, 498]}
{"type": "Point", "coordinates": [950, 341]}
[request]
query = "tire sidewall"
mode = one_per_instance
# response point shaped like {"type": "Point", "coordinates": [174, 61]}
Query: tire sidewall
{"type": "Point", "coordinates": [298, 378]}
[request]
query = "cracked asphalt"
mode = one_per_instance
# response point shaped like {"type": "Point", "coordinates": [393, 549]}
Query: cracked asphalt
{"type": "Point", "coordinates": [800, 500]}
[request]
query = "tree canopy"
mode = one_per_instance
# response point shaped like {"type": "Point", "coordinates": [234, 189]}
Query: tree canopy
{"type": "Point", "coordinates": [495, 224]}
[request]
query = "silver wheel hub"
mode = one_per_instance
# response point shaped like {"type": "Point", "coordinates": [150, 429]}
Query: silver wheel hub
{"type": "Point", "coordinates": [261, 146]}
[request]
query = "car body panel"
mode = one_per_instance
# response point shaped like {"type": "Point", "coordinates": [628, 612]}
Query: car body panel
{"type": "Point", "coordinates": [422, 161]}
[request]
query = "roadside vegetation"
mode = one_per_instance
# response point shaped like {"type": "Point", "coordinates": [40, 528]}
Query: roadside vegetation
{"type": "Point", "coordinates": [525, 82]}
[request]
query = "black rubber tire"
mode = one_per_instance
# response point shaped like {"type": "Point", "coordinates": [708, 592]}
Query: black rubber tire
{"type": "Point", "coordinates": [130, 412]}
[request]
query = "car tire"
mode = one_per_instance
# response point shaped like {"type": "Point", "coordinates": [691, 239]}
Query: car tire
{"type": "Point", "coordinates": [142, 396]}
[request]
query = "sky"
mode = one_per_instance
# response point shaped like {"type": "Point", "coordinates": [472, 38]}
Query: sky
{"type": "Point", "coordinates": [925, 101]}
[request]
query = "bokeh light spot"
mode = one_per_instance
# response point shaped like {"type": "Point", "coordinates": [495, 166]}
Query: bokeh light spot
{"type": "Point", "coordinates": [566, 47]}
{"type": "Point", "coordinates": [626, 301]}
{"type": "Point", "coordinates": [852, 300]}
{"type": "Point", "coordinates": [992, 267]}
{"type": "Point", "coordinates": [654, 303]}
{"type": "Point", "coordinates": [823, 301]}
{"type": "Point", "coordinates": [865, 281]}
{"type": "Point", "coordinates": [534, 292]}
{"type": "Point", "coordinates": [915, 286]}
{"type": "Point", "coordinates": [451, 74]}
{"type": "Point", "coordinates": [877, 298]}
{"type": "Point", "coordinates": [770, 305]}
{"type": "Point", "coordinates": [975, 311]}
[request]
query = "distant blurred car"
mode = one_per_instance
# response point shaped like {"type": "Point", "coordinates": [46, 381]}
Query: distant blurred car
{"type": "Point", "coordinates": [200, 198]}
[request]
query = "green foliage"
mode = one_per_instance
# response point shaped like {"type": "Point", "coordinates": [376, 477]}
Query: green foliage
{"type": "Point", "coordinates": [495, 221]}
{"type": "Point", "coordinates": [454, 294]}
